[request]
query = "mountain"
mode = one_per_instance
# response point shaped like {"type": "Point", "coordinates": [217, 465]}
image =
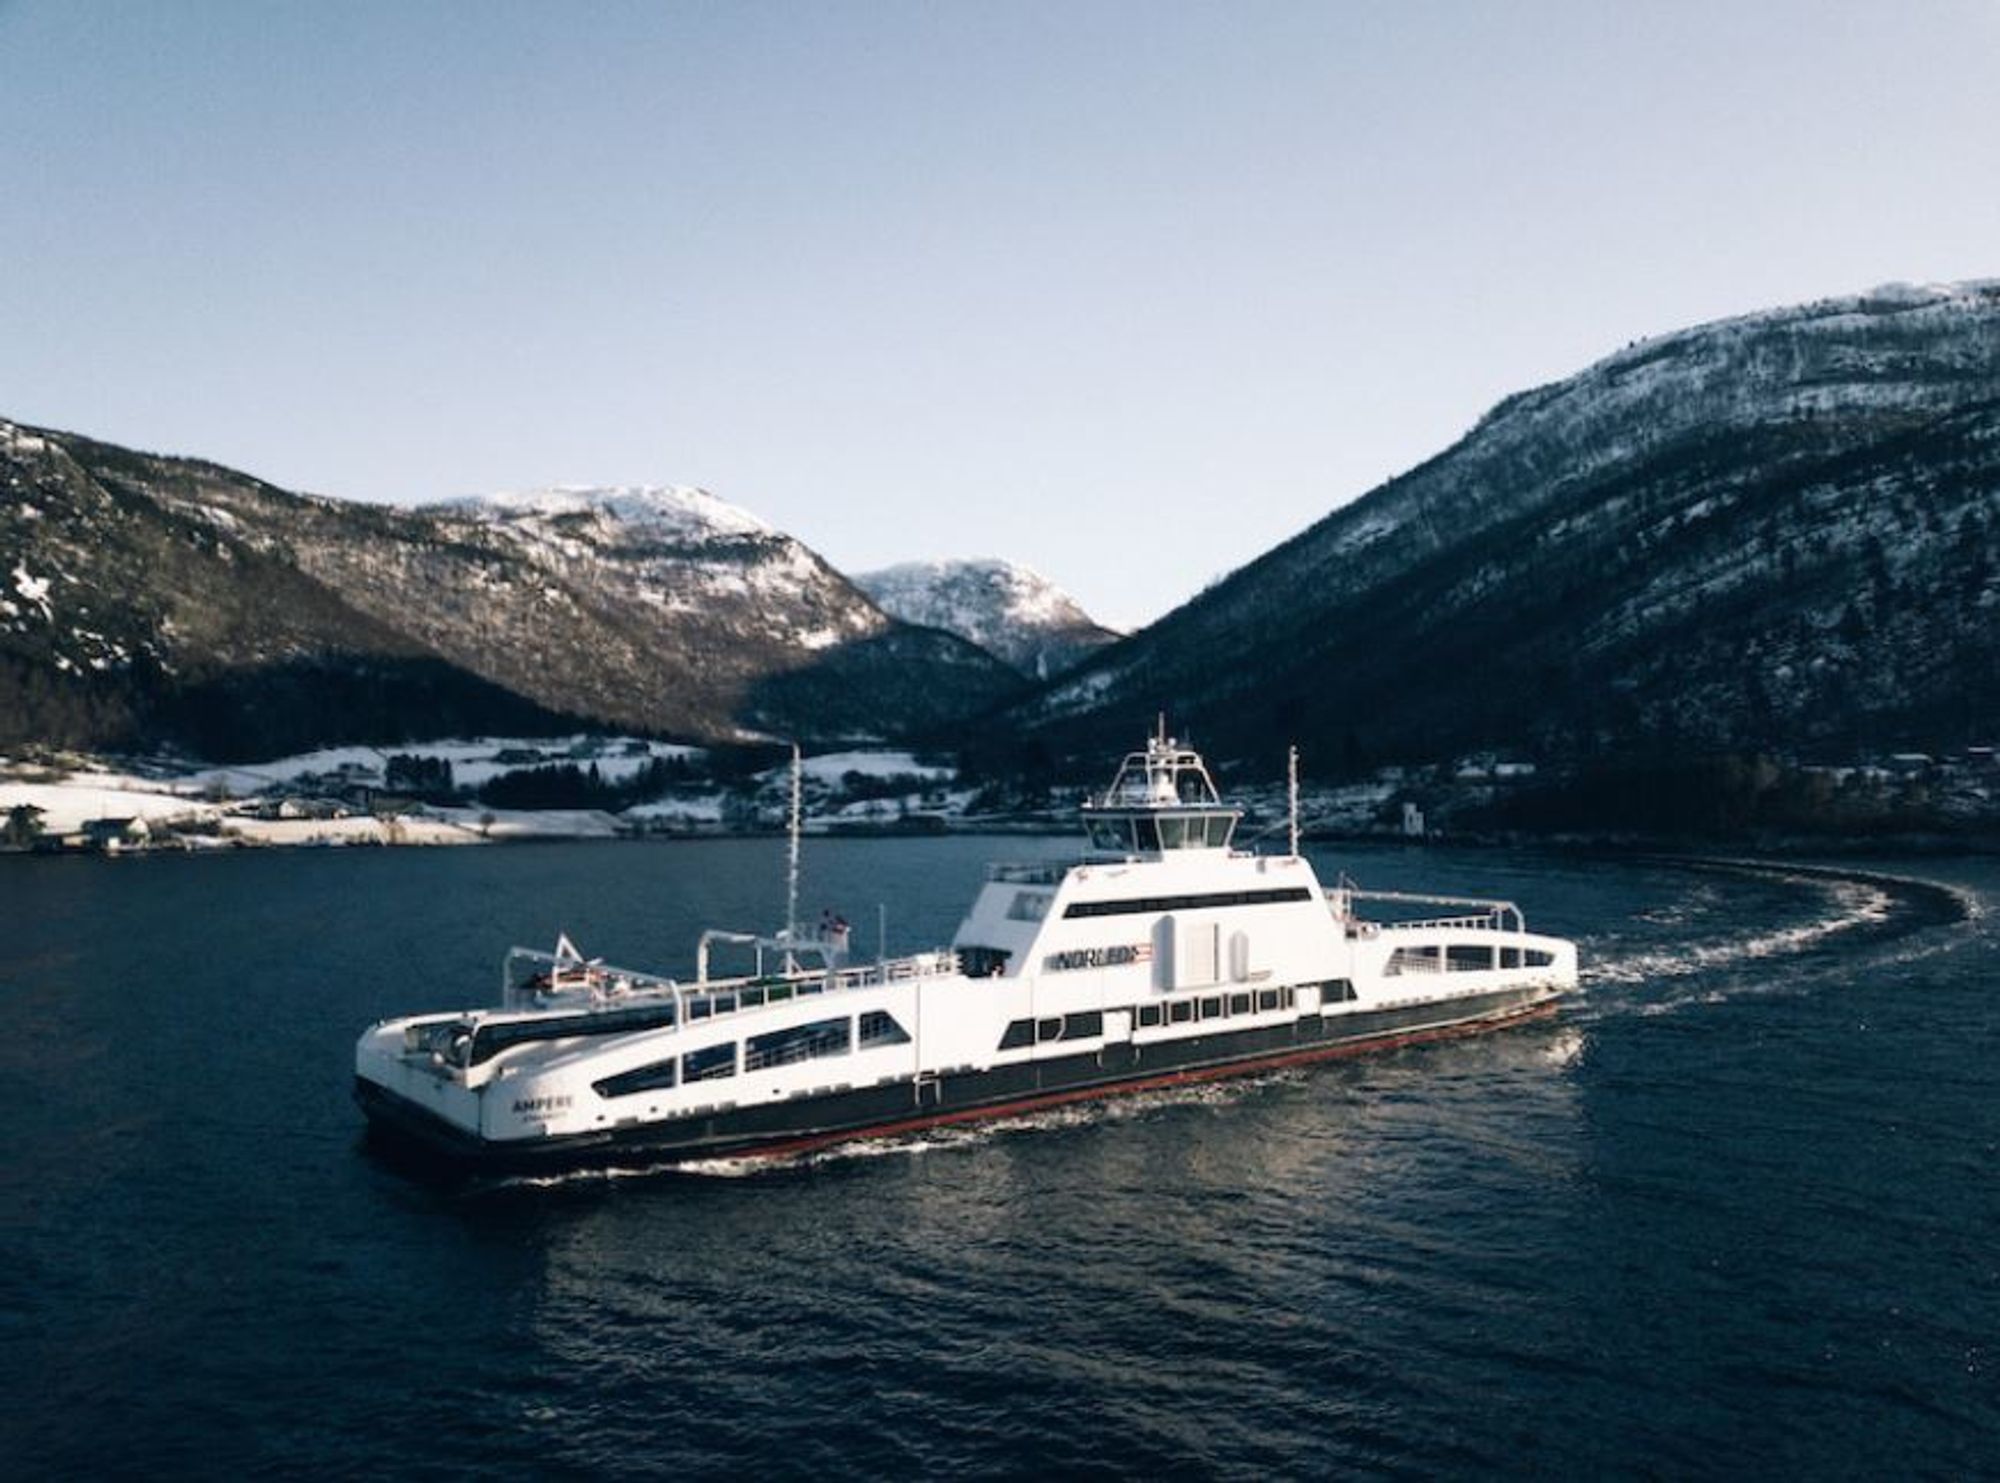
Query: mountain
{"type": "Point", "coordinates": [1771, 531]}
{"type": "Point", "coordinates": [1005, 609]}
{"type": "Point", "coordinates": [147, 599]}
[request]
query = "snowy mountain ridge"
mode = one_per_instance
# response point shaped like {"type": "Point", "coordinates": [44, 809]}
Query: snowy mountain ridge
{"type": "Point", "coordinates": [160, 600]}
{"type": "Point", "coordinates": [1005, 608]}
{"type": "Point", "coordinates": [683, 511]}
{"type": "Point", "coordinates": [1774, 529]}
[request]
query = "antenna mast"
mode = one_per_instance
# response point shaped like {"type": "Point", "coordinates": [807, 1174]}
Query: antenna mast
{"type": "Point", "coordinates": [792, 859]}
{"type": "Point", "coordinates": [1292, 794]}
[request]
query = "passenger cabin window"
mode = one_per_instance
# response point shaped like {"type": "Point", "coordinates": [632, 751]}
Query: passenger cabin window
{"type": "Point", "coordinates": [710, 1063]}
{"type": "Point", "coordinates": [1088, 1025]}
{"type": "Point", "coordinates": [1149, 1016]}
{"type": "Point", "coordinates": [660, 1076]}
{"type": "Point", "coordinates": [878, 1027]}
{"type": "Point", "coordinates": [1049, 1029]}
{"type": "Point", "coordinates": [798, 1043]}
{"type": "Point", "coordinates": [1018, 1035]}
{"type": "Point", "coordinates": [1463, 957]}
{"type": "Point", "coordinates": [1412, 960]}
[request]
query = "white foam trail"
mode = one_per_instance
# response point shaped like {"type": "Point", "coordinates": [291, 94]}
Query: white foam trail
{"type": "Point", "coordinates": [1856, 903]}
{"type": "Point", "coordinates": [1565, 1047]}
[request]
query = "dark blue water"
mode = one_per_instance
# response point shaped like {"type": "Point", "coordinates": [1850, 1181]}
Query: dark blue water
{"type": "Point", "coordinates": [1736, 1214]}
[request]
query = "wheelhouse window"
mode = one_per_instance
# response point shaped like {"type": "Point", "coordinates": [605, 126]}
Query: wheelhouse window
{"type": "Point", "coordinates": [1109, 834]}
{"type": "Point", "coordinates": [710, 1063]}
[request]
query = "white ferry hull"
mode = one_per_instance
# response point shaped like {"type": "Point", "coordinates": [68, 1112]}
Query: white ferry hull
{"type": "Point", "coordinates": [906, 1105]}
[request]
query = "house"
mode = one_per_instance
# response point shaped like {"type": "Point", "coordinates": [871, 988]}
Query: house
{"type": "Point", "coordinates": [112, 835]}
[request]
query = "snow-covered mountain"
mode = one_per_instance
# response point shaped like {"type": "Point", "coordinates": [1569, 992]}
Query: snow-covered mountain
{"type": "Point", "coordinates": [681, 553]}
{"type": "Point", "coordinates": [1006, 609]}
{"type": "Point", "coordinates": [1775, 530]}
{"type": "Point", "coordinates": [160, 599]}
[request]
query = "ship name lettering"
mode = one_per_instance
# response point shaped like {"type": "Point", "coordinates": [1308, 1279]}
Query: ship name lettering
{"type": "Point", "coordinates": [1097, 957]}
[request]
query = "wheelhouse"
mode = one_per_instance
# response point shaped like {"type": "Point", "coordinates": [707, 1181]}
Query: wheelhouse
{"type": "Point", "coordinates": [1161, 800]}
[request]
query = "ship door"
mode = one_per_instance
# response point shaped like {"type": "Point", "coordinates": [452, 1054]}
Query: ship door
{"type": "Point", "coordinates": [1118, 1053]}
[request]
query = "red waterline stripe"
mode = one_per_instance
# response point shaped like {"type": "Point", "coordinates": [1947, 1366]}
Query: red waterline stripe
{"type": "Point", "coordinates": [1150, 1083]}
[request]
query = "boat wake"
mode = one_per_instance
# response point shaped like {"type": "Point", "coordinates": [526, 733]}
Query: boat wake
{"type": "Point", "coordinates": [1851, 904]}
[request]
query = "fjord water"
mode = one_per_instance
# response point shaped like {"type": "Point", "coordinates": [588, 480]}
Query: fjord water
{"type": "Point", "coordinates": [1734, 1213]}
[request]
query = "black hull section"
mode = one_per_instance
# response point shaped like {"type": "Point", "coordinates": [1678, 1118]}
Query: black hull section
{"type": "Point", "coordinates": [807, 1123]}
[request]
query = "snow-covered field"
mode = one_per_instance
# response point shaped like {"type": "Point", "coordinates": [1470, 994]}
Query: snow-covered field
{"type": "Point", "coordinates": [830, 767]}
{"type": "Point", "coordinates": [213, 798]}
{"type": "Point", "coordinates": [67, 806]}
{"type": "Point", "coordinates": [474, 761]}
{"type": "Point", "coordinates": [544, 823]}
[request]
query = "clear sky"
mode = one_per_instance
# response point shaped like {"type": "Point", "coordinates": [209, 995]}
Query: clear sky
{"type": "Point", "coordinates": [1126, 292]}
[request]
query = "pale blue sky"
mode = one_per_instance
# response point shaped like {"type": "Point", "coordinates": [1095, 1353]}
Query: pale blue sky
{"type": "Point", "coordinates": [1126, 292]}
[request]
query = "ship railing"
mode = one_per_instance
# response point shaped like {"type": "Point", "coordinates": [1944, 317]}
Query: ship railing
{"type": "Point", "coordinates": [1486, 915]}
{"type": "Point", "coordinates": [1031, 872]}
{"type": "Point", "coordinates": [600, 988]}
{"type": "Point", "coordinates": [1485, 922]}
{"type": "Point", "coordinates": [563, 977]}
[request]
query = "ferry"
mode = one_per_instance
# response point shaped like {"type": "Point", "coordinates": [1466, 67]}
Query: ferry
{"type": "Point", "coordinates": [1164, 955]}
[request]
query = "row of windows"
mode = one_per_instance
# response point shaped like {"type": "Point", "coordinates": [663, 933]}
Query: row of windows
{"type": "Point", "coordinates": [1089, 1024]}
{"type": "Point", "coordinates": [1172, 832]}
{"type": "Point", "coordinates": [833, 1037]}
{"type": "Point", "coordinates": [1215, 1007]}
{"type": "Point", "coordinates": [1464, 957]}
{"type": "Point", "coordinates": [1147, 905]}
{"type": "Point", "coordinates": [1086, 1025]}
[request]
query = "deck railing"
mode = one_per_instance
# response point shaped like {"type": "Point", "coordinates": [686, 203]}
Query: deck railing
{"type": "Point", "coordinates": [1031, 872]}
{"type": "Point", "coordinates": [599, 987]}
{"type": "Point", "coordinates": [1489, 916]}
